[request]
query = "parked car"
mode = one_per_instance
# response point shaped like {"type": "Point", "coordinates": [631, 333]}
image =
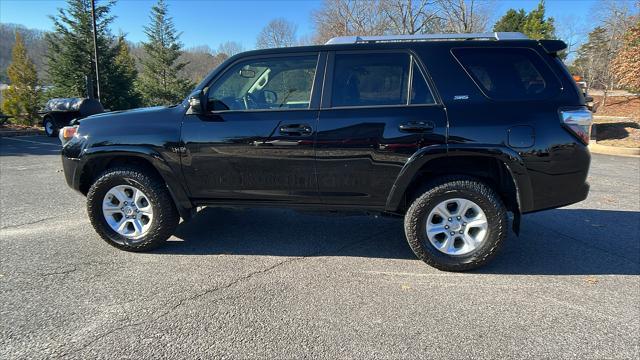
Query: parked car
{"type": "Point", "coordinates": [452, 132]}
{"type": "Point", "coordinates": [60, 112]}
{"type": "Point", "coordinates": [582, 85]}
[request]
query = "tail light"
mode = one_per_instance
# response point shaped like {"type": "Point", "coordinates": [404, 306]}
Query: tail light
{"type": "Point", "coordinates": [67, 132]}
{"type": "Point", "coordinates": [579, 122]}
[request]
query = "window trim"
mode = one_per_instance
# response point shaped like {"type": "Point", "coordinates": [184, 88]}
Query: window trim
{"type": "Point", "coordinates": [329, 72]}
{"type": "Point", "coordinates": [555, 92]}
{"type": "Point", "coordinates": [415, 61]}
{"type": "Point", "coordinates": [316, 86]}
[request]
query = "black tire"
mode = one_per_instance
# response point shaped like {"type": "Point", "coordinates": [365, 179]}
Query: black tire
{"type": "Point", "coordinates": [165, 216]}
{"type": "Point", "coordinates": [50, 128]}
{"type": "Point", "coordinates": [448, 188]}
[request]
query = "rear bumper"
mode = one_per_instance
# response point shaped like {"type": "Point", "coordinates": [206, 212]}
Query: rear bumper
{"type": "Point", "coordinates": [569, 196]}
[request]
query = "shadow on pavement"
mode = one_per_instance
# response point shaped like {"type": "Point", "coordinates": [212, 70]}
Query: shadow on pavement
{"type": "Point", "coordinates": [556, 242]}
{"type": "Point", "coordinates": [29, 145]}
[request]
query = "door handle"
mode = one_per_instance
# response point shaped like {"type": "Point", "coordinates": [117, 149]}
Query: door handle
{"type": "Point", "coordinates": [296, 130]}
{"type": "Point", "coordinates": [417, 126]}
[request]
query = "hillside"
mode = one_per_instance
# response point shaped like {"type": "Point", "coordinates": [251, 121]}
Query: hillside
{"type": "Point", "coordinates": [34, 41]}
{"type": "Point", "coordinates": [201, 60]}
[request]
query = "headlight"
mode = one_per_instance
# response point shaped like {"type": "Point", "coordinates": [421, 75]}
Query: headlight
{"type": "Point", "coordinates": [67, 133]}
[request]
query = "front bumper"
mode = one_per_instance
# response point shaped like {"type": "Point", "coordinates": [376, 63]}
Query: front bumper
{"type": "Point", "coordinates": [71, 169]}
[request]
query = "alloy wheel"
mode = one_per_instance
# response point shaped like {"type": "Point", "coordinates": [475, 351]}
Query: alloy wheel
{"type": "Point", "coordinates": [457, 226]}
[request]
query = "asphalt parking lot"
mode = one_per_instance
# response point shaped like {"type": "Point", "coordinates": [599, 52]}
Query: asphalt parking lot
{"type": "Point", "coordinates": [280, 284]}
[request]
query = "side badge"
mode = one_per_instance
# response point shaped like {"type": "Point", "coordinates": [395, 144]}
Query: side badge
{"type": "Point", "coordinates": [461, 97]}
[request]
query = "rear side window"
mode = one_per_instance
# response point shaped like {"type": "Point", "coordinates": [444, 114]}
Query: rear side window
{"type": "Point", "coordinates": [509, 73]}
{"type": "Point", "coordinates": [370, 79]}
{"type": "Point", "coordinates": [420, 92]}
{"type": "Point", "coordinates": [378, 79]}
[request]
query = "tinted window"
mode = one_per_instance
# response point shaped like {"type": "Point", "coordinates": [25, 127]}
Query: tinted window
{"type": "Point", "coordinates": [259, 84]}
{"type": "Point", "coordinates": [420, 93]}
{"type": "Point", "coordinates": [370, 79]}
{"type": "Point", "coordinates": [509, 74]}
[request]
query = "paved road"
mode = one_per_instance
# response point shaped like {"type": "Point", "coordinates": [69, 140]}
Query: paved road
{"type": "Point", "coordinates": [279, 284]}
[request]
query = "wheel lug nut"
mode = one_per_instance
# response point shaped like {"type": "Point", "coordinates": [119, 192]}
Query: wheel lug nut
{"type": "Point", "coordinates": [450, 219]}
{"type": "Point", "coordinates": [125, 203]}
{"type": "Point", "coordinates": [452, 233]}
{"type": "Point", "coordinates": [459, 218]}
{"type": "Point", "coordinates": [446, 226]}
{"type": "Point", "coordinates": [460, 231]}
{"type": "Point", "coordinates": [464, 224]}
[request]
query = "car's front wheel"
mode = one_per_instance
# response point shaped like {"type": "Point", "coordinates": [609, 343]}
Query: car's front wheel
{"type": "Point", "coordinates": [131, 209]}
{"type": "Point", "coordinates": [456, 224]}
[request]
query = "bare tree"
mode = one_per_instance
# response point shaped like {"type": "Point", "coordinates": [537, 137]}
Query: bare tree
{"type": "Point", "coordinates": [278, 33]}
{"type": "Point", "coordinates": [618, 17]}
{"type": "Point", "coordinates": [349, 17]}
{"type": "Point", "coordinates": [307, 40]}
{"type": "Point", "coordinates": [379, 17]}
{"type": "Point", "coordinates": [571, 30]}
{"type": "Point", "coordinates": [412, 16]}
{"type": "Point", "coordinates": [464, 16]}
{"type": "Point", "coordinates": [229, 48]}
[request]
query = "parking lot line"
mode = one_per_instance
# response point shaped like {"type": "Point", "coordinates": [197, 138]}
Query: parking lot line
{"type": "Point", "coordinates": [31, 141]}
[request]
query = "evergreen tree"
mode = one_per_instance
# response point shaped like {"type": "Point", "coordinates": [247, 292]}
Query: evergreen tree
{"type": "Point", "coordinates": [159, 82]}
{"type": "Point", "coordinates": [594, 61]}
{"type": "Point", "coordinates": [512, 21]}
{"type": "Point", "coordinates": [21, 99]}
{"type": "Point", "coordinates": [127, 96]}
{"type": "Point", "coordinates": [533, 24]}
{"type": "Point", "coordinates": [71, 57]}
{"type": "Point", "coordinates": [536, 26]}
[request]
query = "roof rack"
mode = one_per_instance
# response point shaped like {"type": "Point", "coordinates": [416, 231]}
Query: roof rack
{"type": "Point", "coordinates": [426, 37]}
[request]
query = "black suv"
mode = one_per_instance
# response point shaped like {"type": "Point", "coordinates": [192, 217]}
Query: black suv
{"type": "Point", "coordinates": [450, 131]}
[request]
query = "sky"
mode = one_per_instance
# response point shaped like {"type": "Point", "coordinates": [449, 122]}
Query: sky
{"type": "Point", "coordinates": [204, 22]}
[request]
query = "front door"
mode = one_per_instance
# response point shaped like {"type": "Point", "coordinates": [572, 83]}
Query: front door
{"type": "Point", "coordinates": [255, 140]}
{"type": "Point", "coordinates": [377, 110]}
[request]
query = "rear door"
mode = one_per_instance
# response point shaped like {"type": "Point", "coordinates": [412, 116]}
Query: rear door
{"type": "Point", "coordinates": [378, 108]}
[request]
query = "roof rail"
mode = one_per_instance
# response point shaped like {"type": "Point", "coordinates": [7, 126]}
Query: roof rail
{"type": "Point", "coordinates": [426, 37]}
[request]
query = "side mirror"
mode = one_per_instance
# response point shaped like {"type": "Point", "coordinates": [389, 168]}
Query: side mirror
{"type": "Point", "coordinates": [195, 103]}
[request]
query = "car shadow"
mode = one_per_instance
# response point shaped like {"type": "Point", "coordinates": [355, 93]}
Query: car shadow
{"type": "Point", "coordinates": [572, 242]}
{"type": "Point", "coordinates": [555, 242]}
{"type": "Point", "coordinates": [281, 232]}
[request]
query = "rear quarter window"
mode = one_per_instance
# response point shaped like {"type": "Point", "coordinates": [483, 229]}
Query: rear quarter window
{"type": "Point", "coordinates": [509, 74]}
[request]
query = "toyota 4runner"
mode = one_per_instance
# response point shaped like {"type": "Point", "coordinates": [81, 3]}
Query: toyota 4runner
{"type": "Point", "coordinates": [453, 132]}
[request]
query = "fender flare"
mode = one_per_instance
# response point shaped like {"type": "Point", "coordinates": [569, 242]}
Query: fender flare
{"type": "Point", "coordinates": [510, 158]}
{"type": "Point", "coordinates": [170, 178]}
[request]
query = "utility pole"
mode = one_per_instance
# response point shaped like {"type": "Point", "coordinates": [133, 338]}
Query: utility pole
{"type": "Point", "coordinates": [95, 46]}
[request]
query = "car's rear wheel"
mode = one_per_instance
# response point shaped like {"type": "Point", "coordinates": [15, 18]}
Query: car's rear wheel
{"type": "Point", "coordinates": [131, 210]}
{"type": "Point", "coordinates": [456, 224]}
{"type": "Point", "coordinates": [50, 128]}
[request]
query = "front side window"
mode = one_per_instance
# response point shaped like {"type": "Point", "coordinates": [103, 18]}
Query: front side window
{"type": "Point", "coordinates": [265, 84]}
{"type": "Point", "coordinates": [509, 73]}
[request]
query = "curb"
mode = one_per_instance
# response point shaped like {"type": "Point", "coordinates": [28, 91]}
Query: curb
{"type": "Point", "coordinates": [608, 117]}
{"type": "Point", "coordinates": [613, 150]}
